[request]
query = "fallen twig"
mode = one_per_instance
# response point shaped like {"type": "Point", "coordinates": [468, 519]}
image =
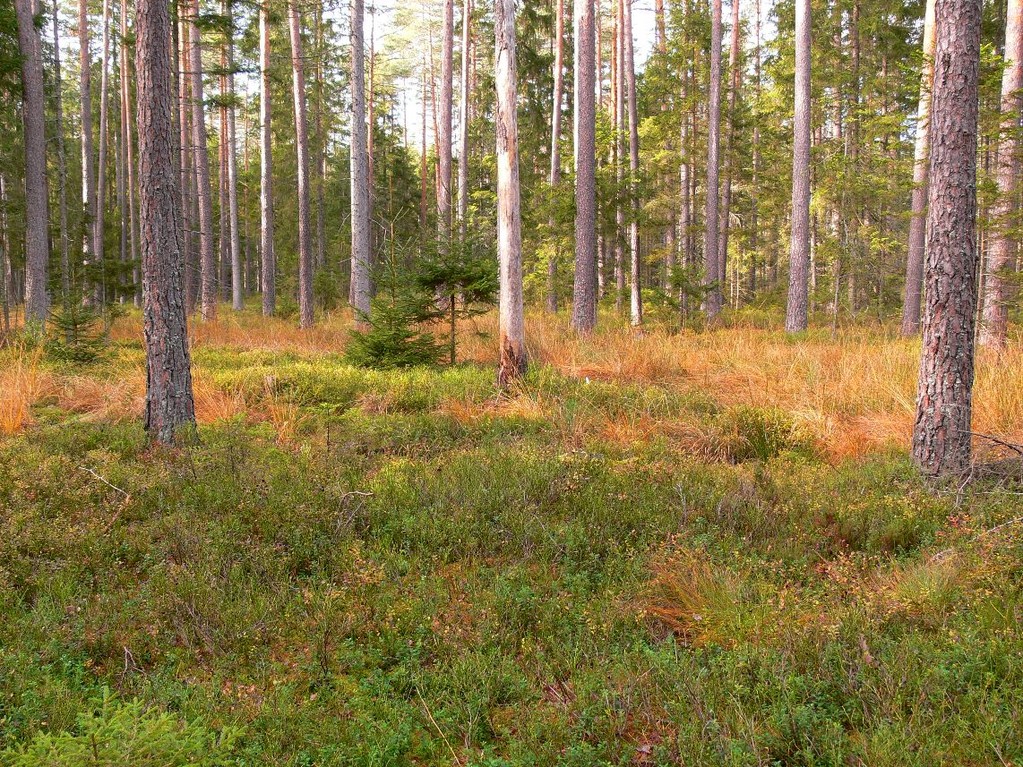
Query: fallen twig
{"type": "Point", "coordinates": [125, 493]}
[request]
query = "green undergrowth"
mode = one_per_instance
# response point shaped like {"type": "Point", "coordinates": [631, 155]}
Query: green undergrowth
{"type": "Point", "coordinates": [424, 574]}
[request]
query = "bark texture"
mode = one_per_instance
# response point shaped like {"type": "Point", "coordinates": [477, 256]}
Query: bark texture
{"type": "Point", "coordinates": [918, 220]}
{"type": "Point", "coordinates": [305, 253]}
{"type": "Point", "coordinates": [555, 174]}
{"type": "Point", "coordinates": [359, 293]}
{"type": "Point", "coordinates": [797, 306]}
{"type": "Point", "coordinates": [711, 275]}
{"type": "Point", "coordinates": [463, 153]}
{"type": "Point", "coordinates": [445, 122]}
{"type": "Point", "coordinates": [37, 247]}
{"type": "Point", "coordinates": [169, 401]}
{"type": "Point", "coordinates": [511, 326]}
{"type": "Point", "coordinates": [201, 166]}
{"type": "Point", "coordinates": [941, 435]}
{"type": "Point", "coordinates": [584, 292]}
{"type": "Point", "coordinates": [266, 197]}
{"type": "Point", "coordinates": [635, 293]}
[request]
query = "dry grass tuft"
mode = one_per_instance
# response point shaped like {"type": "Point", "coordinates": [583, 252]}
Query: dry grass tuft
{"type": "Point", "coordinates": [22, 384]}
{"type": "Point", "coordinates": [98, 399]}
{"type": "Point", "coordinates": [212, 402]}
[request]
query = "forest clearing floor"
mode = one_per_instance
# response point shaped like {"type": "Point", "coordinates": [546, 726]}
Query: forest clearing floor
{"type": "Point", "coordinates": [662, 549]}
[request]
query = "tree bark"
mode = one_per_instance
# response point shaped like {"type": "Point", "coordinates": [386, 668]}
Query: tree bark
{"type": "Point", "coordinates": [444, 136]}
{"type": "Point", "coordinates": [359, 294]}
{"type": "Point", "coordinates": [917, 224]}
{"type": "Point", "coordinates": [88, 166]}
{"type": "Point", "coordinates": [464, 118]}
{"type": "Point", "coordinates": [584, 308]}
{"type": "Point", "coordinates": [509, 222]}
{"type": "Point", "coordinates": [998, 289]}
{"type": "Point", "coordinates": [101, 168]}
{"type": "Point", "coordinates": [266, 198]}
{"type": "Point", "coordinates": [37, 220]}
{"type": "Point", "coordinates": [65, 260]}
{"type": "Point", "coordinates": [555, 174]}
{"type": "Point", "coordinates": [305, 255]}
{"type": "Point", "coordinates": [796, 309]}
{"type": "Point", "coordinates": [941, 435]}
{"type": "Point", "coordinates": [170, 405]}
{"type": "Point", "coordinates": [237, 284]}
{"type": "Point", "coordinates": [712, 276]}
{"type": "Point", "coordinates": [726, 192]}
{"type": "Point", "coordinates": [201, 166]}
{"type": "Point", "coordinates": [635, 293]}
{"type": "Point", "coordinates": [128, 139]}
{"type": "Point", "coordinates": [618, 150]}
{"type": "Point", "coordinates": [186, 175]}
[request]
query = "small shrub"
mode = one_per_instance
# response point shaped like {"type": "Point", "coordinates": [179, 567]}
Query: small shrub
{"type": "Point", "coordinates": [759, 434]}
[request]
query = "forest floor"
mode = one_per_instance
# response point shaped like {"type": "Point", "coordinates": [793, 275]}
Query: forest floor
{"type": "Point", "coordinates": [674, 549]}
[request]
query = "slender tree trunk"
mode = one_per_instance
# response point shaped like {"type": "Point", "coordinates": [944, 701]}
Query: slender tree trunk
{"type": "Point", "coordinates": [998, 287]}
{"type": "Point", "coordinates": [33, 99]}
{"type": "Point", "coordinates": [618, 150]}
{"type": "Point", "coordinates": [319, 159]}
{"type": "Point", "coordinates": [726, 192]}
{"type": "Point", "coordinates": [941, 435]}
{"type": "Point", "coordinates": [445, 117]}
{"type": "Point", "coordinates": [463, 152]}
{"type": "Point", "coordinates": [65, 260]}
{"type": "Point", "coordinates": [121, 172]}
{"type": "Point", "coordinates": [584, 308]}
{"type": "Point", "coordinates": [88, 166]}
{"type": "Point", "coordinates": [224, 244]}
{"type": "Point", "coordinates": [796, 309]}
{"type": "Point", "coordinates": [185, 148]}
{"type": "Point", "coordinates": [917, 224]}
{"type": "Point", "coordinates": [305, 255]}
{"type": "Point", "coordinates": [101, 168]}
{"type": "Point", "coordinates": [635, 293]}
{"type": "Point", "coordinates": [755, 212]}
{"type": "Point", "coordinates": [509, 223]}
{"type": "Point", "coordinates": [170, 405]}
{"type": "Point", "coordinates": [266, 199]}
{"type": "Point", "coordinates": [360, 286]}
{"type": "Point", "coordinates": [6, 276]}
{"type": "Point", "coordinates": [711, 264]}
{"type": "Point", "coordinates": [555, 174]}
{"type": "Point", "coordinates": [128, 138]}
{"type": "Point", "coordinates": [237, 284]}
{"type": "Point", "coordinates": [201, 165]}
{"type": "Point", "coordinates": [659, 27]}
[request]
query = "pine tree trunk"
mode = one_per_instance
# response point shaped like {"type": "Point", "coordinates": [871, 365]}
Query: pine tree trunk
{"type": "Point", "coordinates": [726, 192]}
{"type": "Point", "coordinates": [88, 165]}
{"type": "Point", "coordinates": [184, 122]}
{"type": "Point", "coordinates": [33, 99]}
{"type": "Point", "coordinates": [711, 264]}
{"type": "Point", "coordinates": [635, 293]}
{"type": "Point", "coordinates": [201, 168]}
{"type": "Point", "coordinates": [584, 308]}
{"type": "Point", "coordinates": [464, 118]}
{"type": "Point", "coordinates": [101, 168]}
{"type": "Point", "coordinates": [509, 223]}
{"type": "Point", "coordinates": [320, 151]}
{"type": "Point", "coordinates": [6, 276]}
{"type": "Point", "coordinates": [169, 402]}
{"type": "Point", "coordinates": [917, 224]}
{"type": "Point", "coordinates": [305, 255]}
{"type": "Point", "coordinates": [359, 294]}
{"type": "Point", "coordinates": [797, 307]}
{"type": "Point", "coordinates": [266, 198]}
{"type": "Point", "coordinates": [65, 260]}
{"type": "Point", "coordinates": [941, 435]}
{"type": "Point", "coordinates": [618, 151]}
{"type": "Point", "coordinates": [555, 174]}
{"type": "Point", "coordinates": [998, 286]}
{"type": "Point", "coordinates": [237, 283]}
{"type": "Point", "coordinates": [445, 117]}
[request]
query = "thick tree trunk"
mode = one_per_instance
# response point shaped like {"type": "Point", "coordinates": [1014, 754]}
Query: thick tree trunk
{"type": "Point", "coordinates": [555, 174]}
{"type": "Point", "coordinates": [584, 308]}
{"type": "Point", "coordinates": [917, 224]}
{"type": "Point", "coordinates": [359, 293]}
{"type": "Point", "coordinates": [998, 287]}
{"type": "Point", "coordinates": [509, 222]}
{"type": "Point", "coordinates": [169, 402]}
{"type": "Point", "coordinates": [305, 255]}
{"type": "Point", "coordinates": [37, 246]}
{"type": "Point", "coordinates": [88, 164]}
{"type": "Point", "coordinates": [201, 165]}
{"type": "Point", "coordinates": [635, 293]}
{"type": "Point", "coordinates": [726, 192]}
{"type": "Point", "coordinates": [711, 275]}
{"type": "Point", "coordinates": [941, 435]}
{"type": "Point", "coordinates": [797, 307]}
{"type": "Point", "coordinates": [266, 197]}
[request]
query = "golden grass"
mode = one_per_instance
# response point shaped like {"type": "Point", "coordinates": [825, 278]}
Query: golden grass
{"type": "Point", "coordinates": [22, 384]}
{"type": "Point", "coordinates": [852, 391]}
